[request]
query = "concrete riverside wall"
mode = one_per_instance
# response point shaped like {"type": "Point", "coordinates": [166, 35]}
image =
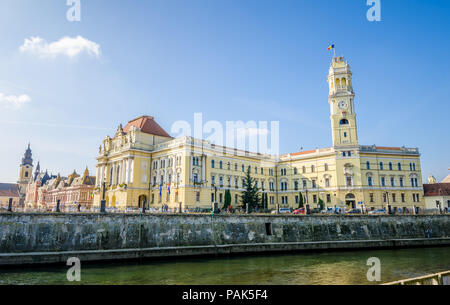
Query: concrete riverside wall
{"type": "Point", "coordinates": [50, 238]}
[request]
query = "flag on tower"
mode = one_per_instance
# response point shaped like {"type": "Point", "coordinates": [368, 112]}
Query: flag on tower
{"type": "Point", "coordinates": [169, 188]}
{"type": "Point", "coordinates": [331, 47]}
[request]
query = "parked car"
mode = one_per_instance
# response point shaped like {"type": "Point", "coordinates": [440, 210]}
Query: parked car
{"type": "Point", "coordinates": [379, 211]}
{"type": "Point", "coordinates": [282, 211]}
{"type": "Point", "coordinates": [354, 211]}
{"type": "Point", "coordinates": [301, 211]}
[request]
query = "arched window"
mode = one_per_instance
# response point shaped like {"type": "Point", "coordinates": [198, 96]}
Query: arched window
{"type": "Point", "coordinates": [344, 82]}
{"type": "Point", "coordinates": [304, 169]}
{"type": "Point", "coordinates": [313, 168]}
{"type": "Point", "coordinates": [390, 166]}
{"type": "Point", "coordinates": [220, 164]}
{"type": "Point", "coordinates": [212, 163]}
{"type": "Point", "coordinates": [344, 122]}
{"type": "Point", "coordinates": [26, 174]}
{"type": "Point", "coordinates": [368, 165]}
{"type": "Point", "coordinates": [399, 165]}
{"type": "Point", "coordinates": [326, 167]}
{"type": "Point", "coordinates": [381, 165]}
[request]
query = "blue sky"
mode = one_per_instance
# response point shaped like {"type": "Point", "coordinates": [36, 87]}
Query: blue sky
{"type": "Point", "coordinates": [263, 60]}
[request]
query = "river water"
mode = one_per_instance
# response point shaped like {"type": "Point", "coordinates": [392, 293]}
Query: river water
{"type": "Point", "coordinates": [270, 269]}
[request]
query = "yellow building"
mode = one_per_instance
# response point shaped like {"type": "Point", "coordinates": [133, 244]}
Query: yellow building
{"type": "Point", "coordinates": [141, 164]}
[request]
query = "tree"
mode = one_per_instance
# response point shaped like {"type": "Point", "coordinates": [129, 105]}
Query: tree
{"type": "Point", "coordinates": [227, 200]}
{"type": "Point", "coordinates": [250, 197]}
{"type": "Point", "coordinates": [300, 200]}
{"type": "Point", "coordinates": [264, 201]}
{"type": "Point", "coordinates": [321, 205]}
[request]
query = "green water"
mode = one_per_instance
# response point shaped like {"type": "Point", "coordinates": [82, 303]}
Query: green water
{"type": "Point", "coordinates": [290, 269]}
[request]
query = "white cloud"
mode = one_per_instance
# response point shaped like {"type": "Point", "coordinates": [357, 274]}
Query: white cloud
{"type": "Point", "coordinates": [66, 46]}
{"type": "Point", "coordinates": [13, 101]}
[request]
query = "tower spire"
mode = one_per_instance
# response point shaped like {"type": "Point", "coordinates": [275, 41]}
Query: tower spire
{"type": "Point", "coordinates": [341, 98]}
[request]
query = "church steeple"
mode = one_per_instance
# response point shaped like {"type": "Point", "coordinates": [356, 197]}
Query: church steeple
{"type": "Point", "coordinates": [341, 100]}
{"type": "Point", "coordinates": [25, 171]}
{"type": "Point", "coordinates": [27, 157]}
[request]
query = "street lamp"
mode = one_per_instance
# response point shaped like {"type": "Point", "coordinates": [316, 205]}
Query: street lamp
{"type": "Point", "coordinates": [103, 201]}
{"type": "Point", "coordinates": [10, 205]}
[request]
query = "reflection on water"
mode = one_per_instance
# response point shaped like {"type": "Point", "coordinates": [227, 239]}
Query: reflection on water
{"type": "Point", "coordinates": [292, 269]}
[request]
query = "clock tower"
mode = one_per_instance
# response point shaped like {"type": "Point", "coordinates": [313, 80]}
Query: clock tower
{"type": "Point", "coordinates": [342, 108]}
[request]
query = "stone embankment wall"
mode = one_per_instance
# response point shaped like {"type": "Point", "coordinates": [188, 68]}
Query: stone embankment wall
{"type": "Point", "coordinates": [48, 238]}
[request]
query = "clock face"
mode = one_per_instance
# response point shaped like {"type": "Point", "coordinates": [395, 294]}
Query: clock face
{"type": "Point", "coordinates": [343, 105]}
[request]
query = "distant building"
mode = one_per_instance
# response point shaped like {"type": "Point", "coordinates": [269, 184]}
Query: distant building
{"type": "Point", "coordinates": [437, 195]}
{"type": "Point", "coordinates": [45, 192]}
{"type": "Point", "coordinates": [9, 191]}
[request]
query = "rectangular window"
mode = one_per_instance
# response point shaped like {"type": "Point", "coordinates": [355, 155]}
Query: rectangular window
{"type": "Point", "coordinates": [371, 197]}
{"type": "Point", "coordinates": [328, 198]}
{"type": "Point", "coordinates": [314, 198]}
{"type": "Point", "coordinates": [296, 199]}
{"type": "Point", "coordinates": [314, 184]}
{"type": "Point", "coordinates": [403, 197]}
{"type": "Point", "coordinates": [393, 197]}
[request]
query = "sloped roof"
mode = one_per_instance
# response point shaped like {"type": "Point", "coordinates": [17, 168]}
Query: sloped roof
{"type": "Point", "coordinates": [304, 152]}
{"type": "Point", "coordinates": [9, 190]}
{"type": "Point", "coordinates": [388, 148]}
{"type": "Point", "coordinates": [436, 189]}
{"type": "Point", "coordinates": [446, 179]}
{"type": "Point", "coordinates": [148, 125]}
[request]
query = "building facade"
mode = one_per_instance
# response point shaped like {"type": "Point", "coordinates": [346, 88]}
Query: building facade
{"type": "Point", "coordinates": [9, 192]}
{"type": "Point", "coordinates": [45, 191]}
{"type": "Point", "coordinates": [437, 195]}
{"type": "Point", "coordinates": [143, 165]}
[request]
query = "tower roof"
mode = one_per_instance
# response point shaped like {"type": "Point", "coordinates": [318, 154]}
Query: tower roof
{"type": "Point", "coordinates": [148, 125]}
{"type": "Point", "coordinates": [27, 157]}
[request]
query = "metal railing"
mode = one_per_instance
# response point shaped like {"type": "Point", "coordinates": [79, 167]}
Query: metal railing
{"type": "Point", "coordinates": [442, 278]}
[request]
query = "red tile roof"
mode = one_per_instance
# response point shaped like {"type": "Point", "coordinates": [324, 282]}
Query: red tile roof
{"type": "Point", "coordinates": [148, 125]}
{"type": "Point", "coordinates": [388, 148]}
{"type": "Point", "coordinates": [9, 190]}
{"type": "Point", "coordinates": [437, 189]}
{"type": "Point", "coordinates": [304, 152]}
